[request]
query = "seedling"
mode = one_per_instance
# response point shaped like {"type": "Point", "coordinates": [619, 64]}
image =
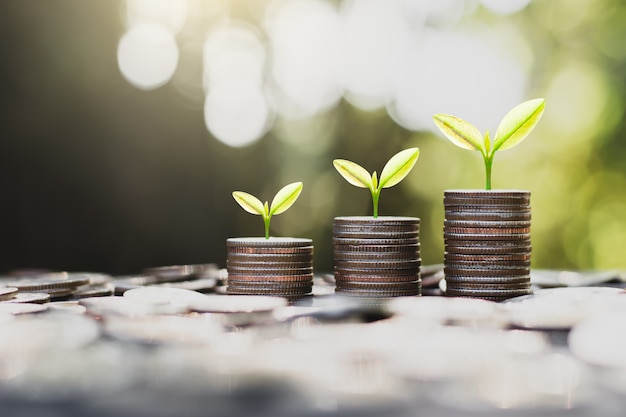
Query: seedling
{"type": "Point", "coordinates": [513, 128]}
{"type": "Point", "coordinates": [393, 172]}
{"type": "Point", "coordinates": [283, 199]}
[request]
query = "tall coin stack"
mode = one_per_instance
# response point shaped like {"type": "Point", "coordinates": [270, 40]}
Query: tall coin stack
{"type": "Point", "coordinates": [281, 267]}
{"type": "Point", "coordinates": [377, 257]}
{"type": "Point", "coordinates": [487, 243]}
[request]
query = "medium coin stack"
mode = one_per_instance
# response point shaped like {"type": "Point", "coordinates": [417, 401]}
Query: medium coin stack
{"type": "Point", "coordinates": [281, 267]}
{"type": "Point", "coordinates": [377, 257]}
{"type": "Point", "coordinates": [487, 243]}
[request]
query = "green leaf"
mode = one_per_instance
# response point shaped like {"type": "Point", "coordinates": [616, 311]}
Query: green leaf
{"type": "Point", "coordinates": [355, 174]}
{"type": "Point", "coordinates": [463, 134]}
{"type": "Point", "coordinates": [374, 180]}
{"type": "Point", "coordinates": [285, 198]}
{"type": "Point", "coordinates": [518, 123]}
{"type": "Point", "coordinates": [249, 203]}
{"type": "Point", "coordinates": [487, 143]}
{"type": "Point", "coordinates": [398, 167]}
{"type": "Point", "coordinates": [266, 211]}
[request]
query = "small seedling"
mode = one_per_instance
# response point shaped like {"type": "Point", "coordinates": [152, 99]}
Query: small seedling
{"type": "Point", "coordinates": [283, 199]}
{"type": "Point", "coordinates": [393, 172]}
{"type": "Point", "coordinates": [513, 128]}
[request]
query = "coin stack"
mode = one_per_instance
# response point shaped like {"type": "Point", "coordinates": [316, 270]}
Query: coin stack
{"type": "Point", "coordinates": [377, 257]}
{"type": "Point", "coordinates": [487, 243]}
{"type": "Point", "coordinates": [281, 267]}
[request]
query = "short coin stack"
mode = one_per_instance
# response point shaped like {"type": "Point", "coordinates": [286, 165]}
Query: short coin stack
{"type": "Point", "coordinates": [487, 243]}
{"type": "Point", "coordinates": [377, 257]}
{"type": "Point", "coordinates": [281, 267]}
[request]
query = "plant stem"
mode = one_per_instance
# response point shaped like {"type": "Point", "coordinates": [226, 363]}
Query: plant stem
{"type": "Point", "coordinates": [266, 221]}
{"type": "Point", "coordinates": [375, 197]}
{"type": "Point", "coordinates": [488, 163]}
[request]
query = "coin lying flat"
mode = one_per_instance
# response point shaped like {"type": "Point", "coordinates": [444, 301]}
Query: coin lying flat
{"type": "Point", "coordinates": [164, 294]}
{"type": "Point", "coordinates": [375, 278]}
{"type": "Point", "coordinates": [377, 248]}
{"type": "Point", "coordinates": [460, 281]}
{"type": "Point", "coordinates": [46, 282]}
{"type": "Point", "coordinates": [504, 285]}
{"type": "Point", "coordinates": [379, 264]}
{"type": "Point", "coordinates": [236, 304]}
{"type": "Point", "coordinates": [380, 220]}
{"type": "Point", "coordinates": [21, 308]}
{"type": "Point", "coordinates": [274, 242]}
{"type": "Point", "coordinates": [7, 293]}
{"type": "Point", "coordinates": [376, 256]}
{"type": "Point", "coordinates": [295, 285]}
{"type": "Point", "coordinates": [473, 237]}
{"type": "Point", "coordinates": [93, 291]}
{"type": "Point", "coordinates": [236, 257]}
{"type": "Point", "coordinates": [375, 235]}
{"type": "Point", "coordinates": [131, 306]}
{"type": "Point", "coordinates": [369, 293]}
{"type": "Point", "coordinates": [273, 278]}
{"type": "Point", "coordinates": [29, 297]}
{"type": "Point", "coordinates": [376, 229]}
{"type": "Point", "coordinates": [508, 257]}
{"type": "Point", "coordinates": [202, 285]}
{"type": "Point", "coordinates": [474, 292]}
{"type": "Point", "coordinates": [488, 270]}
{"type": "Point", "coordinates": [500, 248]}
{"type": "Point", "coordinates": [452, 214]}
{"type": "Point", "coordinates": [269, 271]}
{"type": "Point", "coordinates": [480, 193]}
{"type": "Point", "coordinates": [273, 250]}
{"type": "Point", "coordinates": [379, 286]}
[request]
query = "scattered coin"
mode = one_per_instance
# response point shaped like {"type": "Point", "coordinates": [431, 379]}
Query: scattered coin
{"type": "Point", "coordinates": [131, 306]}
{"type": "Point", "coordinates": [29, 297]}
{"type": "Point", "coordinates": [51, 281]}
{"type": "Point", "coordinates": [164, 295]}
{"type": "Point", "coordinates": [93, 291]}
{"type": "Point", "coordinates": [21, 308]}
{"type": "Point", "coordinates": [7, 293]}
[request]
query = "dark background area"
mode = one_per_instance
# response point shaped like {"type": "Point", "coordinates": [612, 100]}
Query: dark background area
{"type": "Point", "coordinates": [97, 175]}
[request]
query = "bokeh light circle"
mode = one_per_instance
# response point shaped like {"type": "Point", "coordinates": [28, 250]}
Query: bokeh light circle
{"type": "Point", "coordinates": [147, 56]}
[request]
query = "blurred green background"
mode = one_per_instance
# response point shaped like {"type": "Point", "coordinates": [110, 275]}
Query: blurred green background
{"type": "Point", "coordinates": [126, 125]}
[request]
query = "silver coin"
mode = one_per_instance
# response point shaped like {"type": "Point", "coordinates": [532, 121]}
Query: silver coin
{"type": "Point", "coordinates": [29, 297]}
{"type": "Point", "coordinates": [21, 308]}
{"type": "Point", "coordinates": [236, 304]}
{"type": "Point", "coordinates": [130, 306]}
{"type": "Point", "coordinates": [6, 293]}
